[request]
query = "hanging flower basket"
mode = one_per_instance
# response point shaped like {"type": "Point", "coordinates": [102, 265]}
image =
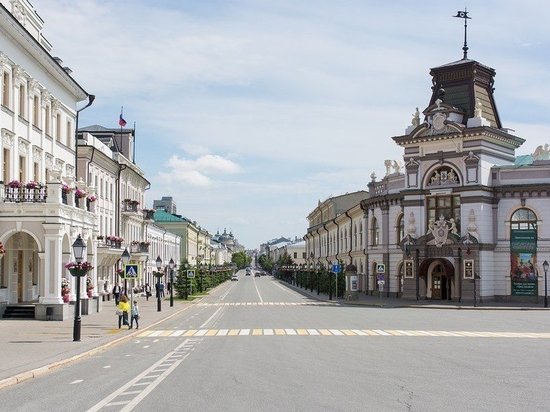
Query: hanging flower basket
{"type": "Point", "coordinates": [66, 188]}
{"type": "Point", "coordinates": [80, 194]}
{"type": "Point", "coordinates": [92, 198]}
{"type": "Point", "coordinates": [79, 270]}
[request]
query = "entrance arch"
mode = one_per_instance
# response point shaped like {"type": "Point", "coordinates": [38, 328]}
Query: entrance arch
{"type": "Point", "coordinates": [439, 278]}
{"type": "Point", "coordinates": [20, 268]}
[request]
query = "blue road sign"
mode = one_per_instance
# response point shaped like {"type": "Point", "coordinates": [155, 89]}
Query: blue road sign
{"type": "Point", "coordinates": [336, 268]}
{"type": "Point", "coordinates": [131, 271]}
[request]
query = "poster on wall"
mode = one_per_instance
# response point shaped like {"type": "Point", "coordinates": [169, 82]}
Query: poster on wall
{"type": "Point", "coordinates": [523, 246]}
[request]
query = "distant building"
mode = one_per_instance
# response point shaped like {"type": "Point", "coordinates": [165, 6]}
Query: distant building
{"type": "Point", "coordinates": [167, 203]}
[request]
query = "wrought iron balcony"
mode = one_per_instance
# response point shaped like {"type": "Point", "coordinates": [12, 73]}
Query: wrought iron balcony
{"type": "Point", "coordinates": [24, 194]}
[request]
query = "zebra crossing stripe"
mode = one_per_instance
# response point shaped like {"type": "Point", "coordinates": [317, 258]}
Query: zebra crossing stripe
{"type": "Point", "coordinates": [339, 332]}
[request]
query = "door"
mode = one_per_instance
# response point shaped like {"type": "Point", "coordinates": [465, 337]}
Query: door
{"type": "Point", "coordinates": [436, 286]}
{"type": "Point", "coordinates": [20, 279]}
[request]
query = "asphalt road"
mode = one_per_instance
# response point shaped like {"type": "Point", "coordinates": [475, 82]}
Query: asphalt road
{"type": "Point", "coordinates": [257, 345]}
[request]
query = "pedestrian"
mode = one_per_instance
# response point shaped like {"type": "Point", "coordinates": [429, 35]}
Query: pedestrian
{"type": "Point", "coordinates": [123, 309]}
{"type": "Point", "coordinates": [147, 291]}
{"type": "Point", "coordinates": [116, 293]}
{"type": "Point", "coordinates": [135, 315]}
{"type": "Point", "coordinates": [161, 289]}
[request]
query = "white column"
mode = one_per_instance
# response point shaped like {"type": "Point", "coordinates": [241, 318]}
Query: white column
{"type": "Point", "coordinates": [53, 265]}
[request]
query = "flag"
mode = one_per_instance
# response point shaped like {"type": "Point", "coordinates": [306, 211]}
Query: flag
{"type": "Point", "coordinates": [462, 15]}
{"type": "Point", "coordinates": [121, 121]}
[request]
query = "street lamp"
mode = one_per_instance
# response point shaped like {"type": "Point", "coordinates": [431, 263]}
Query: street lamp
{"type": "Point", "coordinates": [171, 266]}
{"type": "Point", "coordinates": [125, 257]}
{"type": "Point", "coordinates": [545, 267]}
{"type": "Point", "coordinates": [79, 249]}
{"type": "Point", "coordinates": [158, 275]}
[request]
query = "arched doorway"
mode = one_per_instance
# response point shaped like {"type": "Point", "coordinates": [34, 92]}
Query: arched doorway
{"type": "Point", "coordinates": [438, 275]}
{"type": "Point", "coordinates": [20, 269]}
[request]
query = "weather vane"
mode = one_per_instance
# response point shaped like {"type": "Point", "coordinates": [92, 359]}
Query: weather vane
{"type": "Point", "coordinates": [464, 15]}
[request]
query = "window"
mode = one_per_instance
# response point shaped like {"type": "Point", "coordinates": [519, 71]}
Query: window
{"type": "Point", "coordinates": [400, 228]}
{"type": "Point", "coordinates": [446, 206]}
{"type": "Point", "coordinates": [22, 167]}
{"type": "Point", "coordinates": [375, 232]}
{"type": "Point", "coordinates": [295, 255]}
{"type": "Point", "coordinates": [58, 127]}
{"type": "Point", "coordinates": [523, 219]}
{"type": "Point", "coordinates": [47, 120]}
{"type": "Point", "coordinates": [69, 133]}
{"type": "Point", "coordinates": [6, 89]}
{"type": "Point", "coordinates": [35, 111]}
{"type": "Point", "coordinates": [22, 100]}
{"type": "Point", "coordinates": [6, 166]}
{"type": "Point", "coordinates": [36, 172]}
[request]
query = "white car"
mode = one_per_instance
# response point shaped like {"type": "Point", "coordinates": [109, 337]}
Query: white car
{"type": "Point", "coordinates": [234, 277]}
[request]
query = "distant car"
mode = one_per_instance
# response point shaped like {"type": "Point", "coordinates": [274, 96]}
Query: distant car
{"type": "Point", "coordinates": [256, 274]}
{"type": "Point", "coordinates": [247, 273]}
{"type": "Point", "coordinates": [234, 277]}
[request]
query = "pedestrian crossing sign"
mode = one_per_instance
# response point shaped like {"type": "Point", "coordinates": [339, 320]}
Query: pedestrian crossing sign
{"type": "Point", "coordinates": [190, 273]}
{"type": "Point", "coordinates": [131, 271]}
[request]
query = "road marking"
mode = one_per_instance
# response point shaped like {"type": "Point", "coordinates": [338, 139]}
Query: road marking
{"type": "Point", "coordinates": [262, 303]}
{"type": "Point", "coordinates": [258, 292]}
{"type": "Point", "coordinates": [106, 366]}
{"type": "Point", "coordinates": [75, 382]}
{"type": "Point", "coordinates": [343, 332]}
{"type": "Point", "coordinates": [205, 324]}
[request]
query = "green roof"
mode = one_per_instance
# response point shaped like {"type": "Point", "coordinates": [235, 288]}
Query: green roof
{"type": "Point", "coordinates": [524, 160]}
{"type": "Point", "coordinates": [163, 216]}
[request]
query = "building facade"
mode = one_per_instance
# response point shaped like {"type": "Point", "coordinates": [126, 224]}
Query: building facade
{"type": "Point", "coordinates": [462, 219]}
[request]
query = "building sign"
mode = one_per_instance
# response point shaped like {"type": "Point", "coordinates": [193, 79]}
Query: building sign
{"type": "Point", "coordinates": [523, 248]}
{"type": "Point", "coordinates": [353, 283]}
{"type": "Point", "coordinates": [468, 268]}
{"type": "Point", "coordinates": [409, 268]}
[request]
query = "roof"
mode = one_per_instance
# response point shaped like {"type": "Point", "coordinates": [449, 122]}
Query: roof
{"type": "Point", "coordinates": [162, 216]}
{"type": "Point", "coordinates": [102, 129]}
{"type": "Point", "coordinates": [525, 160]}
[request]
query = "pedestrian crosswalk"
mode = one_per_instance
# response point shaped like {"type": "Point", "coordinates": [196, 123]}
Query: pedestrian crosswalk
{"type": "Point", "coordinates": [308, 303]}
{"type": "Point", "coordinates": [338, 332]}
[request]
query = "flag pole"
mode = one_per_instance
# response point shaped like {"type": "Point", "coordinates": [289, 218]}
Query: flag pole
{"type": "Point", "coordinates": [134, 154]}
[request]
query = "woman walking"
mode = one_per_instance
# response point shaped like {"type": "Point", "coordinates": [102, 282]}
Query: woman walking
{"type": "Point", "coordinates": [123, 308]}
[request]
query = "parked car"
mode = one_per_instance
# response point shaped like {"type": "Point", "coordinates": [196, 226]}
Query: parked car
{"type": "Point", "coordinates": [234, 277]}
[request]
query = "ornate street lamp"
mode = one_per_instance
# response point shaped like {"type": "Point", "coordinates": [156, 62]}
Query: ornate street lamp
{"type": "Point", "coordinates": [171, 266]}
{"type": "Point", "coordinates": [79, 250]}
{"type": "Point", "coordinates": [158, 274]}
{"type": "Point", "coordinates": [545, 267]}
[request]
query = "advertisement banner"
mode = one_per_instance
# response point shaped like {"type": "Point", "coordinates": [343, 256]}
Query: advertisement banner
{"type": "Point", "coordinates": [523, 246]}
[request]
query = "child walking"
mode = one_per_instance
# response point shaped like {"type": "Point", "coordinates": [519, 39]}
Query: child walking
{"type": "Point", "coordinates": [135, 315]}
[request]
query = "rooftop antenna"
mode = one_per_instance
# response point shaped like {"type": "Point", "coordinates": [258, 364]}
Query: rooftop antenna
{"type": "Point", "coordinates": [464, 15]}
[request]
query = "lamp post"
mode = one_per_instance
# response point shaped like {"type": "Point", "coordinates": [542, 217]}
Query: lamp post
{"type": "Point", "coordinates": [545, 267]}
{"type": "Point", "coordinates": [79, 249]}
{"type": "Point", "coordinates": [171, 266]}
{"type": "Point", "coordinates": [158, 275]}
{"type": "Point", "coordinates": [125, 257]}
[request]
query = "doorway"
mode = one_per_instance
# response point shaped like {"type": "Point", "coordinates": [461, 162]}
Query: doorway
{"type": "Point", "coordinates": [441, 288]}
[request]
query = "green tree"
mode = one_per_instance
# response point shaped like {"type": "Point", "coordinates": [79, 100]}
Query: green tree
{"type": "Point", "coordinates": [241, 259]}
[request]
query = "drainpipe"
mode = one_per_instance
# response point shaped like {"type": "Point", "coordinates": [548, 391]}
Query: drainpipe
{"type": "Point", "coordinates": [351, 237]}
{"type": "Point", "coordinates": [366, 241]}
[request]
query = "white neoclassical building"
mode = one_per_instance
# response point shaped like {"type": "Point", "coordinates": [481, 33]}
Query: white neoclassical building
{"type": "Point", "coordinates": [38, 113]}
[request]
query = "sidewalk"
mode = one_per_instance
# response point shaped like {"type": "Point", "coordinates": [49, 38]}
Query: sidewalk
{"type": "Point", "coordinates": [31, 348]}
{"type": "Point", "coordinates": [392, 302]}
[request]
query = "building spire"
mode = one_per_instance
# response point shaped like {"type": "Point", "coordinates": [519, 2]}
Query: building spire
{"type": "Point", "coordinates": [464, 15]}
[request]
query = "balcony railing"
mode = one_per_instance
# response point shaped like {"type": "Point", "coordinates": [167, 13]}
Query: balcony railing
{"type": "Point", "coordinates": [24, 194]}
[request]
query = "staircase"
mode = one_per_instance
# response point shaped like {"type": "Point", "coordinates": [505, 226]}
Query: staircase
{"type": "Point", "coordinates": [19, 312]}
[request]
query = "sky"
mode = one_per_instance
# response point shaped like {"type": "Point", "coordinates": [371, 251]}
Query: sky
{"type": "Point", "coordinates": [248, 112]}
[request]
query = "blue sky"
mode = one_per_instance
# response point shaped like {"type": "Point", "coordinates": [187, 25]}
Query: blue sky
{"type": "Point", "coordinates": [249, 112]}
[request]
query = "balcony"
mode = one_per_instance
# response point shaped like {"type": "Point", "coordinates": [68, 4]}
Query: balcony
{"type": "Point", "coordinates": [139, 247]}
{"type": "Point", "coordinates": [130, 206]}
{"type": "Point", "coordinates": [25, 194]}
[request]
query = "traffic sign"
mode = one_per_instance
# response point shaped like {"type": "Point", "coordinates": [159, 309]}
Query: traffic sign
{"type": "Point", "coordinates": [380, 268]}
{"type": "Point", "coordinates": [131, 271]}
{"type": "Point", "coordinates": [336, 268]}
{"type": "Point", "coordinates": [380, 278]}
{"type": "Point", "coordinates": [190, 273]}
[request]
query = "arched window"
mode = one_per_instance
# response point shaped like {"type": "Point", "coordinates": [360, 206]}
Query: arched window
{"type": "Point", "coordinates": [400, 228]}
{"type": "Point", "coordinates": [523, 219]}
{"type": "Point", "coordinates": [375, 232]}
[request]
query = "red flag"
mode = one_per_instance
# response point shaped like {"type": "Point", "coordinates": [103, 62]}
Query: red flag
{"type": "Point", "coordinates": [121, 121]}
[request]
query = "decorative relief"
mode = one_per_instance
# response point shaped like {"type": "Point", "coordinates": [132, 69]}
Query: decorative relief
{"type": "Point", "coordinates": [8, 138]}
{"type": "Point", "coordinates": [59, 164]}
{"type": "Point", "coordinates": [36, 154]}
{"type": "Point", "coordinates": [56, 104]}
{"type": "Point", "coordinates": [49, 161]}
{"type": "Point", "coordinates": [443, 176]}
{"type": "Point", "coordinates": [440, 230]}
{"type": "Point", "coordinates": [472, 227]}
{"type": "Point", "coordinates": [18, 72]}
{"type": "Point", "coordinates": [23, 147]}
{"type": "Point", "coordinates": [3, 59]}
{"type": "Point", "coordinates": [46, 98]}
{"type": "Point", "coordinates": [34, 86]}
{"type": "Point", "coordinates": [18, 12]}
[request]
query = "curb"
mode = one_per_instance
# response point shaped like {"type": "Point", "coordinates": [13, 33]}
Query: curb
{"type": "Point", "coordinates": [43, 370]}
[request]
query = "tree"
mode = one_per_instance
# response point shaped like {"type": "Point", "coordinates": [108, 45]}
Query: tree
{"type": "Point", "coordinates": [241, 259]}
